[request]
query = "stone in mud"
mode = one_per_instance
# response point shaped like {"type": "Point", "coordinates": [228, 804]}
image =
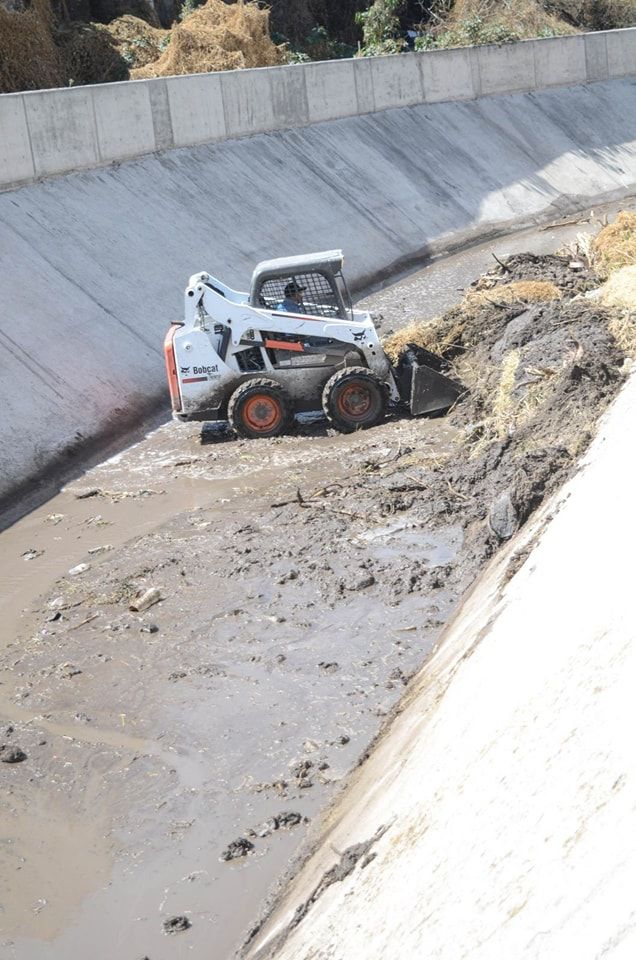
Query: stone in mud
{"type": "Point", "coordinates": [11, 754]}
{"type": "Point", "coordinates": [69, 670]}
{"type": "Point", "coordinates": [281, 821]}
{"type": "Point", "coordinates": [176, 924]}
{"type": "Point", "coordinates": [237, 848]}
{"type": "Point", "coordinates": [300, 768]}
{"type": "Point", "coordinates": [328, 666]}
{"type": "Point", "coordinates": [288, 819]}
{"type": "Point", "coordinates": [366, 580]}
{"type": "Point", "coordinates": [502, 518]}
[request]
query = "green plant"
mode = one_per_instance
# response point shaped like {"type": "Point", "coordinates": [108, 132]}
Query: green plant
{"type": "Point", "coordinates": [380, 25]}
{"type": "Point", "coordinates": [188, 7]}
{"type": "Point", "coordinates": [471, 32]}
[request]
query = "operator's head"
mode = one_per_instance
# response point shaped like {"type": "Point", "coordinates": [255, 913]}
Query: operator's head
{"type": "Point", "coordinates": [293, 291]}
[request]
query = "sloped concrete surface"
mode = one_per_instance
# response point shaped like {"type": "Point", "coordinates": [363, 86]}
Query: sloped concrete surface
{"type": "Point", "coordinates": [507, 786]}
{"type": "Point", "coordinates": [94, 264]}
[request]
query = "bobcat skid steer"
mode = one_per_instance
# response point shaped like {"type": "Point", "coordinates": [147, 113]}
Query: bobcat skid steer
{"type": "Point", "coordinates": [293, 344]}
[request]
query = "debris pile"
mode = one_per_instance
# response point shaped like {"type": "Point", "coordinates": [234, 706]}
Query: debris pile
{"type": "Point", "coordinates": [615, 246]}
{"type": "Point", "coordinates": [39, 50]}
{"type": "Point", "coordinates": [217, 36]}
{"type": "Point", "coordinates": [29, 58]}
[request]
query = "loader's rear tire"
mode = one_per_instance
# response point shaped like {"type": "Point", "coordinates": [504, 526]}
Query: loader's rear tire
{"type": "Point", "coordinates": [354, 398]}
{"type": "Point", "coordinates": [259, 408]}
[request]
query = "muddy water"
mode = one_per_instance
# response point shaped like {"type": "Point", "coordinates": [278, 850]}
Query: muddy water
{"type": "Point", "coordinates": [155, 739]}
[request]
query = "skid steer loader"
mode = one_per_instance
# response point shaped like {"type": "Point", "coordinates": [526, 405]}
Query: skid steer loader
{"type": "Point", "coordinates": [293, 344]}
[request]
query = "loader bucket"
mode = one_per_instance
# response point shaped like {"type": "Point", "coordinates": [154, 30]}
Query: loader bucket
{"type": "Point", "coordinates": [422, 385]}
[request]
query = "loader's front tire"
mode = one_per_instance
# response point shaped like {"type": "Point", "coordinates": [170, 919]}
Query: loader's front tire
{"type": "Point", "coordinates": [259, 408]}
{"type": "Point", "coordinates": [354, 398]}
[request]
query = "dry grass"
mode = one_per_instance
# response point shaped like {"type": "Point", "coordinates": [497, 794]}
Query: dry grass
{"type": "Point", "coordinates": [622, 326]}
{"type": "Point", "coordinates": [620, 293]}
{"type": "Point", "coordinates": [89, 54]}
{"type": "Point", "coordinates": [520, 291]}
{"type": "Point", "coordinates": [620, 289]}
{"type": "Point", "coordinates": [502, 406]}
{"type": "Point", "coordinates": [615, 245]}
{"type": "Point", "coordinates": [217, 36]}
{"type": "Point", "coordinates": [136, 40]}
{"type": "Point", "coordinates": [531, 18]}
{"type": "Point", "coordinates": [525, 18]}
{"type": "Point", "coordinates": [439, 335]}
{"type": "Point", "coordinates": [431, 335]}
{"type": "Point", "coordinates": [29, 59]}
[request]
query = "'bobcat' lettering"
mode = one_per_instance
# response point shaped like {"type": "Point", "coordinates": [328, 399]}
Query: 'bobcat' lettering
{"type": "Point", "coordinates": [208, 370]}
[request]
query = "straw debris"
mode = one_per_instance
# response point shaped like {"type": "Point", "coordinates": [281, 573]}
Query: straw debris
{"type": "Point", "coordinates": [217, 36]}
{"type": "Point", "coordinates": [502, 407]}
{"type": "Point", "coordinates": [137, 42]}
{"type": "Point", "coordinates": [615, 245]}
{"type": "Point", "coordinates": [29, 59]}
{"type": "Point", "coordinates": [519, 291]}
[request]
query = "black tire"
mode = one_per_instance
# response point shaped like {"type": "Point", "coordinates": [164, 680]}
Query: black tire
{"type": "Point", "coordinates": [259, 408]}
{"type": "Point", "coordinates": [354, 398]}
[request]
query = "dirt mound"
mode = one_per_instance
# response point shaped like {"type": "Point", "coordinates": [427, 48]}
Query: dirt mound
{"type": "Point", "coordinates": [537, 375]}
{"type": "Point", "coordinates": [615, 245]}
{"type": "Point", "coordinates": [537, 364]}
{"type": "Point", "coordinates": [520, 278]}
{"type": "Point", "coordinates": [29, 59]}
{"type": "Point", "coordinates": [217, 36]}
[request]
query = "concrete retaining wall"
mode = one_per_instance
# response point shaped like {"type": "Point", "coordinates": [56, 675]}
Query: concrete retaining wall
{"type": "Point", "coordinates": [506, 788]}
{"type": "Point", "coordinates": [58, 131]}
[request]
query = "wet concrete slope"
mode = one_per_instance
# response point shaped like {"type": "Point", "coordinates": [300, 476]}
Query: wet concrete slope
{"type": "Point", "coordinates": [94, 263]}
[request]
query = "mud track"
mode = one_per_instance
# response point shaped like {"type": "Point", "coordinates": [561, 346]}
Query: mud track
{"type": "Point", "coordinates": [295, 606]}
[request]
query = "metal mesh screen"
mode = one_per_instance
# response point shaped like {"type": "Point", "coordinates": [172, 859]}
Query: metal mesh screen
{"type": "Point", "coordinates": [318, 297]}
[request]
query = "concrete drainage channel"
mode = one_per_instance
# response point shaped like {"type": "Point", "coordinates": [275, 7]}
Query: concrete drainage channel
{"type": "Point", "coordinates": [224, 719]}
{"type": "Point", "coordinates": [158, 746]}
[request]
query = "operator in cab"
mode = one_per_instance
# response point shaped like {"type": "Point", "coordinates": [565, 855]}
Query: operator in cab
{"type": "Point", "coordinates": [293, 302]}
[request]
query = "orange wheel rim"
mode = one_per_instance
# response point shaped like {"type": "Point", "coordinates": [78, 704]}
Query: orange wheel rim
{"type": "Point", "coordinates": [262, 413]}
{"type": "Point", "coordinates": [354, 401]}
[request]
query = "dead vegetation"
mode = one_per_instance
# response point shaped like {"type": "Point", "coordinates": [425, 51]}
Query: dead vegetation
{"type": "Point", "coordinates": [615, 245]}
{"type": "Point", "coordinates": [38, 51]}
{"type": "Point", "coordinates": [29, 58]}
{"type": "Point", "coordinates": [217, 36]}
{"type": "Point", "coordinates": [455, 23]}
{"type": "Point", "coordinates": [137, 42]}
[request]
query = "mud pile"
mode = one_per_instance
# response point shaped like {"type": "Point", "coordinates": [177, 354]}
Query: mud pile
{"type": "Point", "coordinates": [540, 361]}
